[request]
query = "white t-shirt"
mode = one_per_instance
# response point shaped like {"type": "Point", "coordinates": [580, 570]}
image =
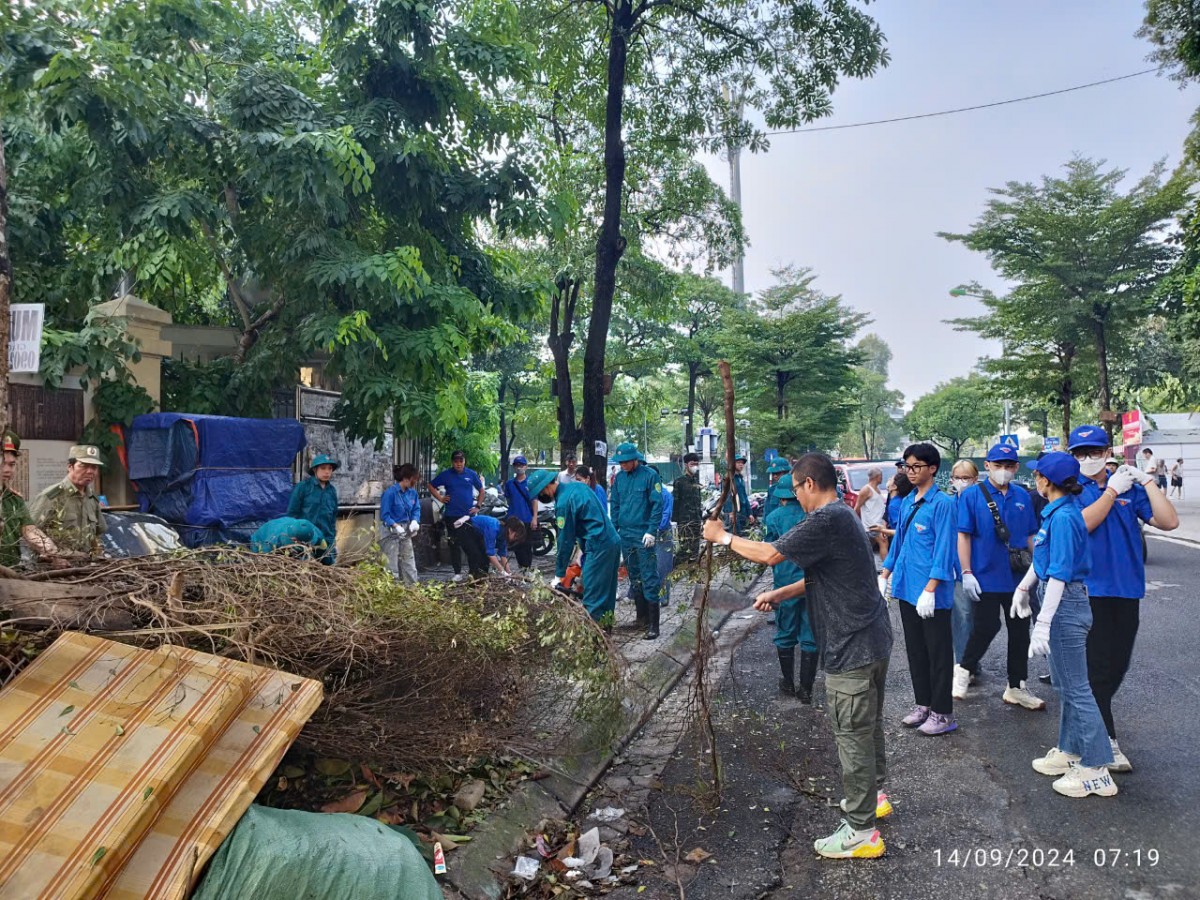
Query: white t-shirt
{"type": "Point", "coordinates": [873, 508]}
{"type": "Point", "coordinates": [565, 477]}
{"type": "Point", "coordinates": [1151, 467]}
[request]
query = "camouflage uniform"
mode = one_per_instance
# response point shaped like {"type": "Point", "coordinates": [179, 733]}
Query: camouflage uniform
{"type": "Point", "coordinates": [69, 518]}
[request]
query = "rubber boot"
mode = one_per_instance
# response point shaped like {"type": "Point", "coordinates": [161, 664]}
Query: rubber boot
{"type": "Point", "coordinates": [652, 611]}
{"type": "Point", "coordinates": [787, 665]}
{"type": "Point", "coordinates": [808, 674]}
{"type": "Point", "coordinates": [643, 613]}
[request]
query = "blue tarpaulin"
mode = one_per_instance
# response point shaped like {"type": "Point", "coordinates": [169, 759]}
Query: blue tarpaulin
{"type": "Point", "coordinates": [215, 478]}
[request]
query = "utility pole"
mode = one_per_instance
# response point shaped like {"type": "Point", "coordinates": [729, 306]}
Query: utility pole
{"type": "Point", "coordinates": [737, 102]}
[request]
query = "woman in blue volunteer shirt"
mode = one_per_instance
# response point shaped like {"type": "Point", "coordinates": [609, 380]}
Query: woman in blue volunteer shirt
{"type": "Point", "coordinates": [1062, 558]}
{"type": "Point", "coordinates": [522, 506]}
{"type": "Point", "coordinates": [924, 561]}
{"type": "Point", "coordinates": [1114, 508]}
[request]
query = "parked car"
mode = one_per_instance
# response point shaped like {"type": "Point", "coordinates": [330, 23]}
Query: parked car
{"type": "Point", "coordinates": [852, 478]}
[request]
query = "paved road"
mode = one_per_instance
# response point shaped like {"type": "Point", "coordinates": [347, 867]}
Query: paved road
{"type": "Point", "coordinates": [960, 800]}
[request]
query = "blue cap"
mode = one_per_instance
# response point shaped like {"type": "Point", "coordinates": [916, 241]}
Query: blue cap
{"type": "Point", "coordinates": [1056, 467]}
{"type": "Point", "coordinates": [1088, 436]}
{"type": "Point", "coordinates": [520, 461]}
{"type": "Point", "coordinates": [1002, 453]}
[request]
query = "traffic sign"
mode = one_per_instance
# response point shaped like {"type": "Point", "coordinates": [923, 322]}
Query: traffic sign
{"type": "Point", "coordinates": [1010, 440]}
{"type": "Point", "coordinates": [1051, 443]}
{"type": "Point", "coordinates": [770, 454]}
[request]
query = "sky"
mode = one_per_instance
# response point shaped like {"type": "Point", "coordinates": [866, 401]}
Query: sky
{"type": "Point", "coordinates": [862, 207]}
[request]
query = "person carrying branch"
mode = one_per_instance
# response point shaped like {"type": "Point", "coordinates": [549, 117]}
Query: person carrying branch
{"type": "Point", "coordinates": [791, 620]}
{"type": "Point", "coordinates": [636, 504]}
{"type": "Point", "coordinates": [581, 519]}
{"type": "Point", "coordinates": [853, 637]}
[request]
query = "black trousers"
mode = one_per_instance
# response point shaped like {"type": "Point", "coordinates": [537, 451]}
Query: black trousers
{"type": "Point", "coordinates": [930, 651]}
{"type": "Point", "coordinates": [1109, 649]}
{"type": "Point", "coordinates": [467, 539]}
{"type": "Point", "coordinates": [524, 550]}
{"type": "Point", "coordinates": [986, 625]}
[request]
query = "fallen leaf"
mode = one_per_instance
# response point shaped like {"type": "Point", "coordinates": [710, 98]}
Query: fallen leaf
{"type": "Point", "coordinates": [74, 684]}
{"type": "Point", "coordinates": [146, 794]}
{"type": "Point", "coordinates": [67, 711]}
{"type": "Point", "coordinates": [99, 854]}
{"type": "Point", "coordinates": [450, 841]}
{"type": "Point", "coordinates": [120, 730]}
{"type": "Point", "coordinates": [352, 802]}
{"type": "Point", "coordinates": [255, 729]}
{"type": "Point", "coordinates": [391, 816]}
{"type": "Point", "coordinates": [332, 767]}
{"type": "Point", "coordinates": [281, 784]}
{"type": "Point", "coordinates": [697, 856]}
{"type": "Point", "coordinates": [370, 777]}
{"type": "Point", "coordinates": [372, 806]}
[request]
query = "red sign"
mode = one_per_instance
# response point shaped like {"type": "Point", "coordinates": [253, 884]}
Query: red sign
{"type": "Point", "coordinates": [1131, 427]}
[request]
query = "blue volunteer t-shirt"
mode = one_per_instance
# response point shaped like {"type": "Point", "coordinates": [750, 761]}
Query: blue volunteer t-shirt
{"type": "Point", "coordinates": [463, 489]}
{"type": "Point", "coordinates": [494, 540]}
{"type": "Point", "coordinates": [1118, 567]}
{"type": "Point", "coordinates": [1061, 548]}
{"type": "Point", "coordinates": [925, 547]}
{"type": "Point", "coordinates": [893, 512]}
{"type": "Point", "coordinates": [989, 558]}
{"type": "Point", "coordinates": [520, 504]}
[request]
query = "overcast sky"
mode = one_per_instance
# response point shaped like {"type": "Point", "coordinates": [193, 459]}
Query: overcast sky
{"type": "Point", "coordinates": [862, 206]}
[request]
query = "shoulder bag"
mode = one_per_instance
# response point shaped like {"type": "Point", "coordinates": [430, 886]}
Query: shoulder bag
{"type": "Point", "coordinates": [1019, 559]}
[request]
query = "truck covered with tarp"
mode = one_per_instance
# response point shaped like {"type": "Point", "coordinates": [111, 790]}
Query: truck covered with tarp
{"type": "Point", "coordinates": [214, 478]}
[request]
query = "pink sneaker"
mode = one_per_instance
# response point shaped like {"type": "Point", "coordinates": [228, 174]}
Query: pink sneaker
{"type": "Point", "coordinates": [918, 715]}
{"type": "Point", "coordinates": [938, 724]}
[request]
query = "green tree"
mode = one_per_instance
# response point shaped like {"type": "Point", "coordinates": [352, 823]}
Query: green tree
{"type": "Point", "coordinates": [319, 175]}
{"type": "Point", "coordinates": [671, 53]}
{"type": "Point", "coordinates": [1091, 254]}
{"type": "Point", "coordinates": [793, 363]}
{"type": "Point", "coordinates": [702, 305]}
{"type": "Point", "coordinates": [955, 413]}
{"type": "Point", "coordinates": [874, 429]}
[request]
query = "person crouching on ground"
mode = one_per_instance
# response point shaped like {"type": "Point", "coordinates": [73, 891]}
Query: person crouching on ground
{"type": "Point", "coordinates": [924, 563]}
{"type": "Point", "coordinates": [853, 636]}
{"type": "Point", "coordinates": [1062, 558]}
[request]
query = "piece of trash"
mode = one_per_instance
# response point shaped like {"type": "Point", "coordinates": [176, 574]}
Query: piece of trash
{"type": "Point", "coordinates": [604, 861]}
{"type": "Point", "coordinates": [540, 843]}
{"type": "Point", "coordinates": [439, 860]}
{"type": "Point", "coordinates": [607, 814]}
{"type": "Point", "coordinates": [697, 856]}
{"type": "Point", "coordinates": [742, 617]}
{"type": "Point", "coordinates": [589, 846]}
{"type": "Point", "coordinates": [586, 885]}
{"type": "Point", "coordinates": [573, 862]}
{"type": "Point", "coordinates": [526, 867]}
{"type": "Point", "coordinates": [629, 870]}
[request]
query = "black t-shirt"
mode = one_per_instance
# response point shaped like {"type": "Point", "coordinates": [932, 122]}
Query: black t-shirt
{"type": "Point", "coordinates": [849, 618]}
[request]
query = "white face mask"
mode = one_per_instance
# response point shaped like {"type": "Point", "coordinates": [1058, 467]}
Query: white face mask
{"type": "Point", "coordinates": [1092, 467]}
{"type": "Point", "coordinates": [961, 484]}
{"type": "Point", "coordinates": [1001, 477]}
{"type": "Point", "coordinates": [693, 468]}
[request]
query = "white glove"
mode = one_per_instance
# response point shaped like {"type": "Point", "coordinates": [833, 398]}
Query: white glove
{"type": "Point", "coordinates": [1039, 639]}
{"type": "Point", "coordinates": [1137, 474]}
{"type": "Point", "coordinates": [971, 587]}
{"type": "Point", "coordinates": [414, 527]}
{"type": "Point", "coordinates": [647, 540]}
{"type": "Point", "coordinates": [1020, 608]}
{"type": "Point", "coordinates": [883, 585]}
{"type": "Point", "coordinates": [1120, 481]}
{"type": "Point", "coordinates": [925, 605]}
{"type": "Point", "coordinates": [398, 529]}
{"type": "Point", "coordinates": [461, 521]}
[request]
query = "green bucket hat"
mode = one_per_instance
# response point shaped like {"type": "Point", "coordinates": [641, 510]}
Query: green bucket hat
{"type": "Point", "coordinates": [783, 488]}
{"type": "Point", "coordinates": [322, 459]}
{"type": "Point", "coordinates": [780, 465]}
{"type": "Point", "coordinates": [537, 481]}
{"type": "Point", "coordinates": [626, 452]}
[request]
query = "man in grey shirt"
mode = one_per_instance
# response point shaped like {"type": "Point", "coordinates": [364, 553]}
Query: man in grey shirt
{"type": "Point", "coordinates": [854, 640]}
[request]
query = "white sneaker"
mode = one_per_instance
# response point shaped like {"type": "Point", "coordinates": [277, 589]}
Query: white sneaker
{"type": "Point", "coordinates": [1083, 780]}
{"type": "Point", "coordinates": [1120, 761]}
{"type": "Point", "coordinates": [1056, 762]}
{"type": "Point", "coordinates": [1019, 696]}
{"type": "Point", "coordinates": [459, 578]}
{"type": "Point", "coordinates": [962, 680]}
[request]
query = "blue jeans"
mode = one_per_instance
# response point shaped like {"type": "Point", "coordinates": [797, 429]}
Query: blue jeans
{"type": "Point", "coordinates": [664, 550]}
{"type": "Point", "coordinates": [1080, 727]}
{"type": "Point", "coordinates": [961, 619]}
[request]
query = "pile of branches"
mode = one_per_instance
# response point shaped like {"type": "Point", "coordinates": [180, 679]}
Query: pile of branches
{"type": "Point", "coordinates": [416, 677]}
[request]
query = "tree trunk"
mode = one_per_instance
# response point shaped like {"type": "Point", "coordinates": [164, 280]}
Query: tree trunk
{"type": "Point", "coordinates": [780, 406]}
{"type": "Point", "coordinates": [689, 437]}
{"type": "Point", "coordinates": [610, 245]}
{"type": "Point", "coordinates": [1104, 395]}
{"type": "Point", "coordinates": [504, 444]}
{"type": "Point", "coordinates": [6, 276]}
{"type": "Point", "coordinates": [562, 335]}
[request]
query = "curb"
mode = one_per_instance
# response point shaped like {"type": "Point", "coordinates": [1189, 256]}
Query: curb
{"type": "Point", "coordinates": [479, 870]}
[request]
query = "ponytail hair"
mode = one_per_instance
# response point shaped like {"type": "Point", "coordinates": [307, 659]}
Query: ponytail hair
{"type": "Point", "coordinates": [1071, 486]}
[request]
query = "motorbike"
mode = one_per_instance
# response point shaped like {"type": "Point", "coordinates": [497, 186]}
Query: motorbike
{"type": "Point", "coordinates": [543, 539]}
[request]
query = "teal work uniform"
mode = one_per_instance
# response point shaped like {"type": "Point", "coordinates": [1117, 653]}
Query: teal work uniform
{"type": "Point", "coordinates": [743, 513]}
{"type": "Point", "coordinates": [581, 519]}
{"type": "Point", "coordinates": [286, 532]}
{"type": "Point", "coordinates": [776, 470]}
{"type": "Point", "coordinates": [791, 616]}
{"type": "Point", "coordinates": [636, 504]}
{"type": "Point", "coordinates": [318, 505]}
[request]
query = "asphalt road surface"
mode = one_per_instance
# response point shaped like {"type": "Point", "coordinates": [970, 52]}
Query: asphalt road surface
{"type": "Point", "coordinates": [972, 818]}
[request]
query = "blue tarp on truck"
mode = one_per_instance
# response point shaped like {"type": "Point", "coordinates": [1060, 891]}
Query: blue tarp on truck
{"type": "Point", "coordinates": [215, 478]}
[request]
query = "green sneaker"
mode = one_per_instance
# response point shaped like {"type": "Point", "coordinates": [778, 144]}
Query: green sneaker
{"type": "Point", "coordinates": [847, 843]}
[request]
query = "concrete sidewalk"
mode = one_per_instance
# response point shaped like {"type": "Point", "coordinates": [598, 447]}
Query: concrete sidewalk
{"type": "Point", "coordinates": [1189, 522]}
